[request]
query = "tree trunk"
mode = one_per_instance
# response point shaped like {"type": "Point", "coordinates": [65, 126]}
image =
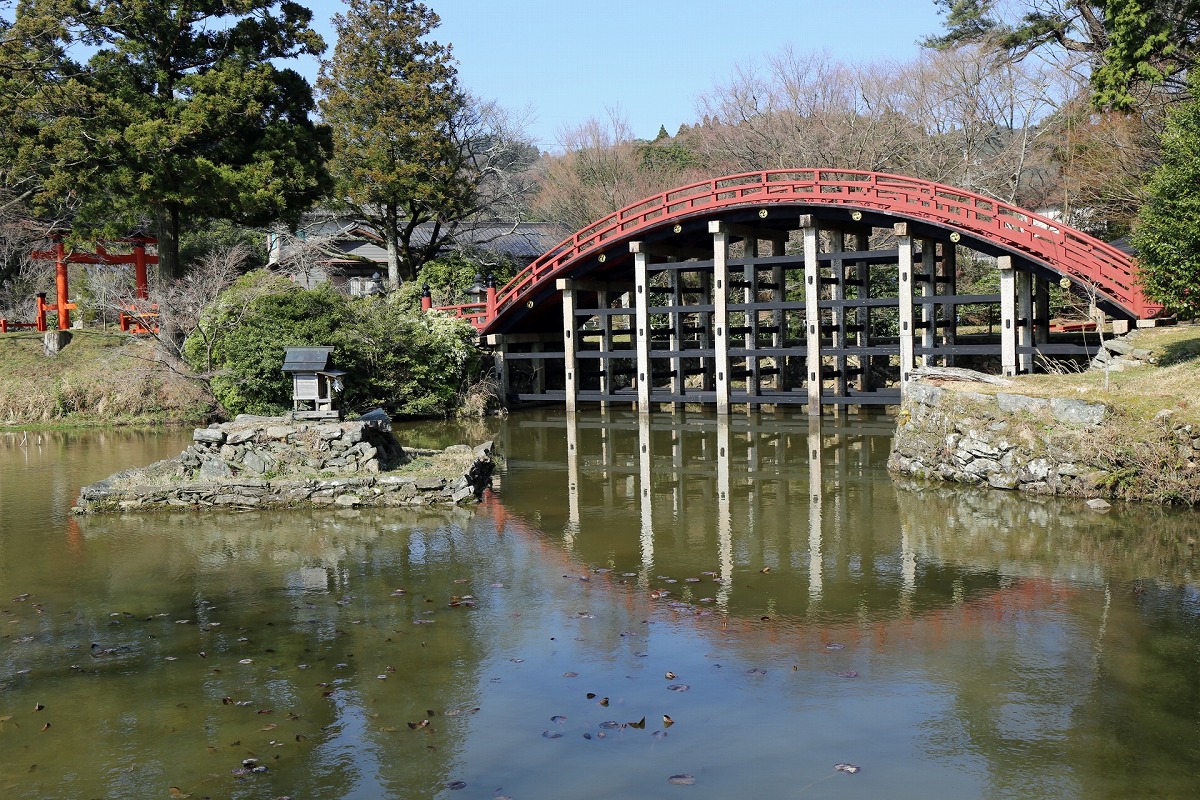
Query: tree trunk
{"type": "Point", "coordinates": [391, 235]}
{"type": "Point", "coordinates": [167, 224]}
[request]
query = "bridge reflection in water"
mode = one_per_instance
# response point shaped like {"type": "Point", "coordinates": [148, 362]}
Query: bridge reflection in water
{"type": "Point", "coordinates": [728, 497]}
{"type": "Point", "coordinates": [665, 499]}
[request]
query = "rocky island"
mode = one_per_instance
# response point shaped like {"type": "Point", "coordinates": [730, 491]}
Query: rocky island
{"type": "Point", "coordinates": [280, 462]}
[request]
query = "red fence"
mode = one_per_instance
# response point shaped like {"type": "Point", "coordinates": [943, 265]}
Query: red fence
{"type": "Point", "coordinates": [1082, 257]}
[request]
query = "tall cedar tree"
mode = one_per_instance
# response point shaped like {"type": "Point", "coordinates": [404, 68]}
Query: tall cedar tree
{"type": "Point", "coordinates": [392, 99]}
{"type": "Point", "coordinates": [188, 117]}
{"type": "Point", "coordinates": [1167, 239]}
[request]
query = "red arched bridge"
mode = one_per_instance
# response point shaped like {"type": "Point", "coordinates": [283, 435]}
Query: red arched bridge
{"type": "Point", "coordinates": [794, 286]}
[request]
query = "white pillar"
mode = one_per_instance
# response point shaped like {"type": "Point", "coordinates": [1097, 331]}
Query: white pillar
{"type": "Point", "coordinates": [1008, 315]}
{"type": "Point", "coordinates": [721, 313]}
{"type": "Point", "coordinates": [812, 313]}
{"type": "Point", "coordinates": [641, 326]}
{"type": "Point", "coordinates": [905, 290]}
{"type": "Point", "coordinates": [1024, 321]}
{"type": "Point", "coordinates": [570, 344]}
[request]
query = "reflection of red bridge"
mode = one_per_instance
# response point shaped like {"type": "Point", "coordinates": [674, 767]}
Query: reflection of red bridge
{"type": "Point", "coordinates": [661, 272]}
{"type": "Point", "coordinates": [930, 626]}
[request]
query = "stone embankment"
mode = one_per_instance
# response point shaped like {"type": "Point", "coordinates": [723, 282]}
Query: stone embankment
{"type": "Point", "coordinates": [276, 462]}
{"type": "Point", "coordinates": [1007, 441]}
{"type": "Point", "coordinates": [1054, 446]}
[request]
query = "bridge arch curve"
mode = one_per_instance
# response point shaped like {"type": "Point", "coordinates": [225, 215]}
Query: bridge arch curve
{"type": "Point", "coordinates": [834, 211]}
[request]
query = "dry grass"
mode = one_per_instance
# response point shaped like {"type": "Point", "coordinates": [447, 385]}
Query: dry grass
{"type": "Point", "coordinates": [1140, 393]}
{"type": "Point", "coordinates": [98, 379]}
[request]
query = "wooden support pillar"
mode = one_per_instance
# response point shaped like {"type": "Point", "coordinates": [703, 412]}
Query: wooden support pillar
{"type": "Point", "coordinates": [539, 370]}
{"type": "Point", "coordinates": [721, 313]}
{"type": "Point", "coordinates": [812, 313]}
{"type": "Point", "coordinates": [862, 273]}
{"type": "Point", "coordinates": [905, 291]}
{"type": "Point", "coordinates": [570, 343]}
{"type": "Point", "coordinates": [1041, 311]}
{"type": "Point", "coordinates": [929, 312]}
{"type": "Point", "coordinates": [1008, 315]}
{"type": "Point", "coordinates": [708, 378]}
{"type": "Point", "coordinates": [1024, 321]}
{"type": "Point", "coordinates": [602, 300]}
{"type": "Point", "coordinates": [837, 247]}
{"type": "Point", "coordinates": [499, 343]}
{"type": "Point", "coordinates": [749, 296]}
{"type": "Point", "coordinates": [641, 326]}
{"type": "Point", "coordinates": [950, 275]}
{"type": "Point", "coordinates": [677, 338]}
{"type": "Point", "coordinates": [778, 320]}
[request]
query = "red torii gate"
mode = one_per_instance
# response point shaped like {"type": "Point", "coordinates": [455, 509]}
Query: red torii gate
{"type": "Point", "coordinates": [62, 307]}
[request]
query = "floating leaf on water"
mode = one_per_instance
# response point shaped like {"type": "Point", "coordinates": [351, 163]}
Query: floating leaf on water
{"type": "Point", "coordinates": [851, 768]}
{"type": "Point", "coordinates": [455, 784]}
{"type": "Point", "coordinates": [558, 719]}
{"type": "Point", "coordinates": [679, 687]}
{"type": "Point", "coordinates": [667, 721]}
{"type": "Point", "coordinates": [681, 780]}
{"type": "Point", "coordinates": [835, 646]}
{"type": "Point", "coordinates": [570, 674]}
{"type": "Point", "coordinates": [609, 724]}
{"type": "Point", "coordinates": [551, 735]}
{"type": "Point", "coordinates": [848, 674]}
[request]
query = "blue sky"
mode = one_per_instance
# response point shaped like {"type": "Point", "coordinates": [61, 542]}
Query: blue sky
{"type": "Point", "coordinates": [567, 60]}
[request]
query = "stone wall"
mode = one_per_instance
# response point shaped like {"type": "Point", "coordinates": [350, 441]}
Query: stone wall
{"type": "Point", "coordinates": [1003, 440]}
{"type": "Point", "coordinates": [275, 462]}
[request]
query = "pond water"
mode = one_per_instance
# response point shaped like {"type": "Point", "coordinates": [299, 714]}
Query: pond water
{"type": "Point", "coordinates": [670, 607]}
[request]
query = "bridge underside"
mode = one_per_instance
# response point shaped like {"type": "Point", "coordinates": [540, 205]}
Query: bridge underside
{"type": "Point", "coordinates": [778, 305]}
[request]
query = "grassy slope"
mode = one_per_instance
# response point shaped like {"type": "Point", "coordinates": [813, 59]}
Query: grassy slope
{"type": "Point", "coordinates": [98, 379]}
{"type": "Point", "coordinates": [1140, 393]}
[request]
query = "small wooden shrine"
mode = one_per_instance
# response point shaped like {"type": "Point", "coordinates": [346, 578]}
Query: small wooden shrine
{"type": "Point", "coordinates": [315, 382]}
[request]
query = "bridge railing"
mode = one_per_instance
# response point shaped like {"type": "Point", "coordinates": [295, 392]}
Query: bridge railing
{"type": "Point", "coordinates": [1086, 259]}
